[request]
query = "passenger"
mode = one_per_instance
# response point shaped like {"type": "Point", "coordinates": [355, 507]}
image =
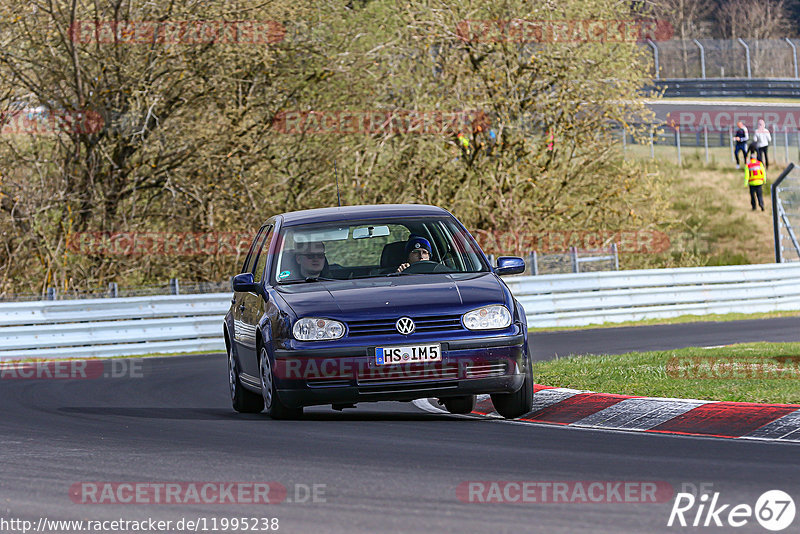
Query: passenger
{"type": "Point", "coordinates": [417, 249]}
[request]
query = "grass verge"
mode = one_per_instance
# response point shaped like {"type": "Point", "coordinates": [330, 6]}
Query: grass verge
{"type": "Point", "coordinates": [712, 317]}
{"type": "Point", "coordinates": [749, 372]}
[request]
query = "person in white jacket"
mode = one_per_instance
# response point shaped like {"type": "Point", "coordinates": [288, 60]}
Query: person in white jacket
{"type": "Point", "coordinates": [762, 139]}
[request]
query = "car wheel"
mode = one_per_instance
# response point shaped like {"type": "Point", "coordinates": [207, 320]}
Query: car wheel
{"type": "Point", "coordinates": [517, 404]}
{"type": "Point", "coordinates": [243, 401]}
{"type": "Point", "coordinates": [460, 405]}
{"type": "Point", "coordinates": [271, 402]}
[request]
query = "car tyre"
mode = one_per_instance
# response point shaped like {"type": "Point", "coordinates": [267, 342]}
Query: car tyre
{"type": "Point", "coordinates": [243, 400]}
{"type": "Point", "coordinates": [459, 405]}
{"type": "Point", "coordinates": [519, 403]}
{"type": "Point", "coordinates": [270, 401]}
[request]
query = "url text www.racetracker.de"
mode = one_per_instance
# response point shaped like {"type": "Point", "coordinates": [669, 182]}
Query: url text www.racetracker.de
{"type": "Point", "coordinates": [194, 524]}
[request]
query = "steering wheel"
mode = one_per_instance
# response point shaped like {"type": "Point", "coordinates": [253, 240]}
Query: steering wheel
{"type": "Point", "coordinates": [422, 266]}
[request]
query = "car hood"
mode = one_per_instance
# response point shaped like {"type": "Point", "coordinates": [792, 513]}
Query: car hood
{"type": "Point", "coordinates": [422, 294]}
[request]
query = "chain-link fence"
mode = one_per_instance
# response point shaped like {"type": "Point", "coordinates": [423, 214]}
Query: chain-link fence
{"type": "Point", "coordinates": [725, 58]}
{"type": "Point", "coordinates": [786, 215]}
{"type": "Point", "coordinates": [708, 144]}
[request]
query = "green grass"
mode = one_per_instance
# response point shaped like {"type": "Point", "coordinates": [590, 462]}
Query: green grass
{"type": "Point", "coordinates": [722, 374]}
{"type": "Point", "coordinates": [713, 317]}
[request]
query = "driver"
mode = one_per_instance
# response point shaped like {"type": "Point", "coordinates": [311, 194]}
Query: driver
{"type": "Point", "coordinates": [417, 249]}
{"type": "Point", "coordinates": [310, 258]}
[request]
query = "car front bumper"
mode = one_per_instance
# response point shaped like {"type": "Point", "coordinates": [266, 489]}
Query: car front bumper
{"type": "Point", "coordinates": [345, 375]}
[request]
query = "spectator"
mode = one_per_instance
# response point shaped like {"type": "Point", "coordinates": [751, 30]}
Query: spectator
{"type": "Point", "coordinates": [754, 177]}
{"type": "Point", "coordinates": [741, 139]}
{"type": "Point", "coordinates": [762, 139]}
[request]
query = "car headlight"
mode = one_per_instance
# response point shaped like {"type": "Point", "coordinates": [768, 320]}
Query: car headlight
{"type": "Point", "coordinates": [487, 318]}
{"type": "Point", "coordinates": [316, 329]}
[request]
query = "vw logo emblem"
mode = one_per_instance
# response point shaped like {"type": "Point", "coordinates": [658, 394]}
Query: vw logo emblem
{"type": "Point", "coordinates": [405, 325]}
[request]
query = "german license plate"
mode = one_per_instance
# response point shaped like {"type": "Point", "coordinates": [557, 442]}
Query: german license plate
{"type": "Point", "coordinates": [408, 354]}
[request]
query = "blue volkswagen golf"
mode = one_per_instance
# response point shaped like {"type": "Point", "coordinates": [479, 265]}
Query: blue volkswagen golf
{"type": "Point", "coordinates": [374, 303]}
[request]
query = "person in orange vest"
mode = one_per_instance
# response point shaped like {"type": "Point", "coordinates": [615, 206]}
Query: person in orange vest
{"type": "Point", "coordinates": [754, 176]}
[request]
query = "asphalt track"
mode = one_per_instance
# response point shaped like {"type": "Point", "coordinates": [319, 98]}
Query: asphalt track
{"type": "Point", "coordinates": [387, 467]}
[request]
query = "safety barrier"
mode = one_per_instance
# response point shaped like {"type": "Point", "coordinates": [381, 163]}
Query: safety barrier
{"type": "Point", "coordinates": [162, 324]}
{"type": "Point", "coordinates": [615, 296]}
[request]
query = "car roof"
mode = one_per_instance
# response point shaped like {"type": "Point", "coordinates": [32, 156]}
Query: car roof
{"type": "Point", "coordinates": [346, 213]}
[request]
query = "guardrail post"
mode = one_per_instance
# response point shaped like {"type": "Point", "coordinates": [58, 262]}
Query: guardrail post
{"type": "Point", "coordinates": [786, 142]}
{"type": "Point", "coordinates": [705, 140]}
{"type": "Point", "coordinates": [615, 252]}
{"type": "Point", "coordinates": [678, 143]}
{"type": "Point", "coordinates": [702, 57]}
{"type": "Point", "coordinates": [113, 289]}
{"type": "Point", "coordinates": [174, 286]}
{"type": "Point", "coordinates": [747, 56]}
{"type": "Point", "coordinates": [794, 55]}
{"type": "Point", "coordinates": [534, 261]}
{"type": "Point", "coordinates": [733, 150]}
{"type": "Point", "coordinates": [655, 56]}
{"type": "Point", "coordinates": [573, 254]}
{"type": "Point", "coordinates": [51, 293]}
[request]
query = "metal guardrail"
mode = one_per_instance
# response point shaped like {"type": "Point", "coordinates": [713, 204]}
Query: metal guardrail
{"type": "Point", "coordinates": [728, 87]}
{"type": "Point", "coordinates": [615, 296]}
{"type": "Point", "coordinates": [112, 327]}
{"type": "Point", "coordinates": [183, 323]}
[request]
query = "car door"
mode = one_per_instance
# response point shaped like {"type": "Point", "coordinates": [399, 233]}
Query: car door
{"type": "Point", "coordinates": [241, 336]}
{"type": "Point", "coordinates": [252, 305]}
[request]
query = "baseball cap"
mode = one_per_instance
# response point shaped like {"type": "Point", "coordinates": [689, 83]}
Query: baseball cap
{"type": "Point", "coordinates": [417, 242]}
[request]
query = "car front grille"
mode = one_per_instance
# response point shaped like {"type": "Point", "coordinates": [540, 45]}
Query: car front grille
{"type": "Point", "coordinates": [486, 370]}
{"type": "Point", "coordinates": [383, 327]}
{"type": "Point", "coordinates": [408, 373]}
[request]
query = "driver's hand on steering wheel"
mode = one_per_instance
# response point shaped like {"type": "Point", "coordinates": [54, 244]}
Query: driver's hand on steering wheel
{"type": "Point", "coordinates": [403, 267]}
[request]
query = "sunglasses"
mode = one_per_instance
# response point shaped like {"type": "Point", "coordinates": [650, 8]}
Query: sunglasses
{"type": "Point", "coordinates": [314, 255]}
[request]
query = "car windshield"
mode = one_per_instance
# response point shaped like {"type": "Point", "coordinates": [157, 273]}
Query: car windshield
{"type": "Point", "coordinates": [375, 248]}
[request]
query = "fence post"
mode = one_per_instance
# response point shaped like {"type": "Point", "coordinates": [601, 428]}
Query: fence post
{"type": "Point", "coordinates": [113, 288]}
{"type": "Point", "coordinates": [573, 254]}
{"type": "Point", "coordinates": [655, 56]}
{"type": "Point", "coordinates": [678, 143]}
{"type": "Point", "coordinates": [534, 260]}
{"type": "Point", "coordinates": [747, 56]}
{"type": "Point", "coordinates": [733, 153]}
{"type": "Point", "coordinates": [615, 251]}
{"type": "Point", "coordinates": [174, 286]}
{"type": "Point", "coordinates": [705, 140]}
{"type": "Point", "coordinates": [51, 293]}
{"type": "Point", "coordinates": [702, 57]}
{"type": "Point", "coordinates": [794, 55]}
{"type": "Point", "coordinates": [786, 142]}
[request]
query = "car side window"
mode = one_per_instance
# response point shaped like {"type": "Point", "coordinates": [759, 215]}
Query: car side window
{"type": "Point", "coordinates": [250, 259]}
{"type": "Point", "coordinates": [263, 253]}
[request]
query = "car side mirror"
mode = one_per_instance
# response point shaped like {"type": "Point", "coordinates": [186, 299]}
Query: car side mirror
{"type": "Point", "coordinates": [245, 283]}
{"type": "Point", "coordinates": [509, 265]}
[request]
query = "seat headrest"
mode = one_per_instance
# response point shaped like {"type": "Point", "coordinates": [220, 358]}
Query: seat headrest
{"type": "Point", "coordinates": [393, 254]}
